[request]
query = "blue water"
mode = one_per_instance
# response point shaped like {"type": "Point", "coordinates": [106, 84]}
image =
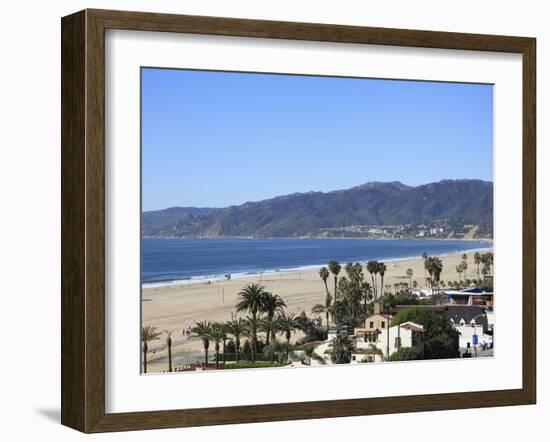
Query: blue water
{"type": "Point", "coordinates": [167, 261]}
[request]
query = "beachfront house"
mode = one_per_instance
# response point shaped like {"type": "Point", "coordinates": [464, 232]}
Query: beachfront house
{"type": "Point", "coordinates": [373, 323]}
{"type": "Point", "coordinates": [470, 321]}
{"type": "Point", "coordinates": [377, 346]}
{"type": "Point", "coordinates": [472, 296]}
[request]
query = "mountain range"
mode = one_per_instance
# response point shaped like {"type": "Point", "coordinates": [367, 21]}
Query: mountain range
{"type": "Point", "coordinates": [451, 202]}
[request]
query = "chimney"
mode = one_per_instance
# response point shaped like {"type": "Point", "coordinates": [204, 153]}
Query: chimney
{"type": "Point", "coordinates": [376, 308]}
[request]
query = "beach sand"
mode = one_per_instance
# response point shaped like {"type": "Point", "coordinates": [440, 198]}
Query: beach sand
{"type": "Point", "coordinates": [179, 307]}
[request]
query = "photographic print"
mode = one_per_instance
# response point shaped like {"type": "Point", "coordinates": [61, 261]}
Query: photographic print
{"type": "Point", "coordinates": [300, 221]}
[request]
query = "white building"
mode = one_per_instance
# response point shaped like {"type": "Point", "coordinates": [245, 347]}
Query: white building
{"type": "Point", "coordinates": [407, 334]}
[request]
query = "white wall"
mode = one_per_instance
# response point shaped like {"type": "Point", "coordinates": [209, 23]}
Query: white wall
{"type": "Point", "coordinates": [30, 194]}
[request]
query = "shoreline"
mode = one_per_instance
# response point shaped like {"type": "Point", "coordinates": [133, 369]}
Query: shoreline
{"type": "Point", "coordinates": [178, 307]}
{"type": "Point", "coordinates": [206, 279]}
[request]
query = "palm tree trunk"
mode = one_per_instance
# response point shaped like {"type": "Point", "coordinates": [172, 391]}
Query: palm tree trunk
{"type": "Point", "coordinates": [170, 356]}
{"type": "Point", "coordinates": [145, 357]}
{"type": "Point", "coordinates": [237, 348]}
{"type": "Point", "coordinates": [335, 286]}
{"type": "Point", "coordinates": [224, 353]}
{"type": "Point", "coordinates": [287, 348]}
{"type": "Point", "coordinates": [217, 355]}
{"type": "Point", "coordinates": [254, 337]}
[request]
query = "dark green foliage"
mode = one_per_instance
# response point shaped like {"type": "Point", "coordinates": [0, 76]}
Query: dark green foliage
{"type": "Point", "coordinates": [406, 354]}
{"type": "Point", "coordinates": [230, 347]}
{"type": "Point", "coordinates": [440, 337]}
{"type": "Point", "coordinates": [340, 349]}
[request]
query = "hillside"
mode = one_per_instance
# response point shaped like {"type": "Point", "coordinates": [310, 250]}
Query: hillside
{"type": "Point", "coordinates": [450, 206]}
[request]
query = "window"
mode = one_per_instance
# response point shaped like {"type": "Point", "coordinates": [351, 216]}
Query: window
{"type": "Point", "coordinates": [383, 324]}
{"type": "Point", "coordinates": [371, 324]}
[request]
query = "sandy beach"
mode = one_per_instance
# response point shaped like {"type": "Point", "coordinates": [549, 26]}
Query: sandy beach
{"type": "Point", "coordinates": [178, 307]}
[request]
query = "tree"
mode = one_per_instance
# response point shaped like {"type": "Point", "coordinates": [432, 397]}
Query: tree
{"type": "Point", "coordinates": [440, 337]}
{"type": "Point", "coordinates": [320, 309]}
{"type": "Point", "coordinates": [288, 323]}
{"type": "Point", "coordinates": [237, 328]}
{"type": "Point", "coordinates": [367, 296]}
{"type": "Point", "coordinates": [464, 266]}
{"type": "Point", "coordinates": [274, 348]}
{"type": "Point", "coordinates": [169, 346]}
{"type": "Point", "coordinates": [434, 266]}
{"type": "Point", "coordinates": [372, 268]}
{"type": "Point", "coordinates": [410, 275]}
{"type": "Point", "coordinates": [459, 271]}
{"type": "Point", "coordinates": [310, 354]}
{"type": "Point", "coordinates": [324, 274]}
{"type": "Point", "coordinates": [251, 299]}
{"type": "Point", "coordinates": [271, 305]}
{"type": "Point", "coordinates": [381, 270]}
{"type": "Point", "coordinates": [217, 334]}
{"type": "Point", "coordinates": [477, 261]}
{"type": "Point", "coordinates": [335, 267]}
{"type": "Point", "coordinates": [424, 257]}
{"type": "Point", "coordinates": [406, 354]}
{"type": "Point", "coordinates": [148, 334]}
{"type": "Point", "coordinates": [270, 326]}
{"type": "Point", "coordinates": [203, 329]}
{"type": "Point", "coordinates": [487, 261]}
{"type": "Point", "coordinates": [340, 349]}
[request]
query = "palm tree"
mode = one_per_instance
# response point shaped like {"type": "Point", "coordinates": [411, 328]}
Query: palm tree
{"type": "Point", "coordinates": [324, 274]}
{"type": "Point", "coordinates": [169, 345]}
{"type": "Point", "coordinates": [335, 267]}
{"type": "Point", "coordinates": [367, 296]}
{"type": "Point", "coordinates": [320, 309]}
{"type": "Point", "coordinates": [275, 347]}
{"type": "Point", "coordinates": [251, 299]}
{"type": "Point", "coordinates": [477, 261]}
{"type": "Point", "coordinates": [237, 328]}
{"type": "Point", "coordinates": [270, 326]}
{"type": "Point", "coordinates": [410, 275]}
{"type": "Point", "coordinates": [148, 334]}
{"type": "Point", "coordinates": [372, 268]}
{"type": "Point", "coordinates": [464, 265]}
{"type": "Point", "coordinates": [288, 323]}
{"type": "Point", "coordinates": [487, 260]}
{"type": "Point", "coordinates": [253, 325]}
{"type": "Point", "coordinates": [309, 352]}
{"type": "Point", "coordinates": [459, 271]}
{"type": "Point", "coordinates": [382, 270]}
{"type": "Point", "coordinates": [271, 305]}
{"type": "Point", "coordinates": [425, 257]}
{"type": "Point", "coordinates": [203, 330]}
{"type": "Point", "coordinates": [217, 334]}
{"type": "Point", "coordinates": [340, 349]}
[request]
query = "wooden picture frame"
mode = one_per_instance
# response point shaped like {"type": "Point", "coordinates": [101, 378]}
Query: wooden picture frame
{"type": "Point", "coordinates": [83, 220]}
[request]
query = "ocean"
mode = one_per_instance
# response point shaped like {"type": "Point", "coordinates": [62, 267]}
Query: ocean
{"type": "Point", "coordinates": [168, 261]}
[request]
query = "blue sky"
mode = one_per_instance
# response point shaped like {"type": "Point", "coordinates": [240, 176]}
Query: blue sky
{"type": "Point", "coordinates": [213, 139]}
